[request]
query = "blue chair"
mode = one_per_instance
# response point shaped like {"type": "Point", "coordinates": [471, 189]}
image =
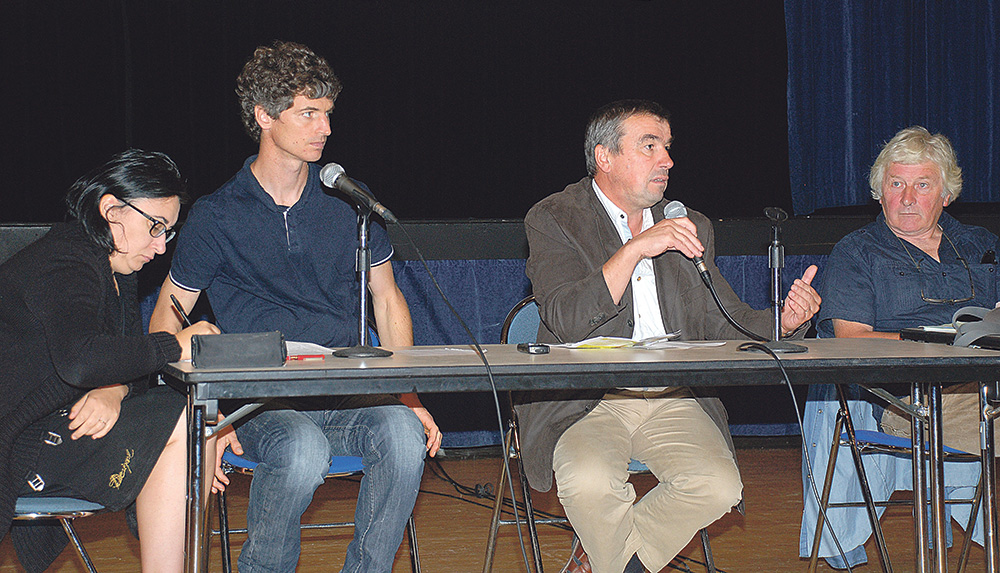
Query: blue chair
{"type": "Point", "coordinates": [64, 509]}
{"type": "Point", "coordinates": [865, 441]}
{"type": "Point", "coordinates": [340, 466]}
{"type": "Point", "coordinates": [521, 325]}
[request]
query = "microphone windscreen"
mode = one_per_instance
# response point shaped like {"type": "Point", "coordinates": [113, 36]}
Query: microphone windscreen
{"type": "Point", "coordinates": [776, 214]}
{"type": "Point", "coordinates": [674, 210]}
{"type": "Point", "coordinates": [330, 173]}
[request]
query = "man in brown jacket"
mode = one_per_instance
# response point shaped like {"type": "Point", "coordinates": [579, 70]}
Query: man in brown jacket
{"type": "Point", "coordinates": [604, 261]}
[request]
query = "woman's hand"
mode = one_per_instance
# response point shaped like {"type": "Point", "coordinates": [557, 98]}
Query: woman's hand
{"type": "Point", "coordinates": [96, 413]}
{"type": "Point", "coordinates": [184, 336]}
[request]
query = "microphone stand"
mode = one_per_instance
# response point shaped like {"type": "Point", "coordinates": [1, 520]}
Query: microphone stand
{"type": "Point", "coordinates": [363, 266]}
{"type": "Point", "coordinates": [776, 262]}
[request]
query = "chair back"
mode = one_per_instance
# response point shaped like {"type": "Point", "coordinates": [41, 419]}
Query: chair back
{"type": "Point", "coordinates": [521, 324]}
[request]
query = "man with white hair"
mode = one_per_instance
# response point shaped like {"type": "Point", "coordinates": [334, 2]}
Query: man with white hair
{"type": "Point", "coordinates": [914, 266]}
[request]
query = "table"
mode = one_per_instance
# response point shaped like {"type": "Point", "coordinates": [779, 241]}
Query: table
{"type": "Point", "coordinates": [438, 369]}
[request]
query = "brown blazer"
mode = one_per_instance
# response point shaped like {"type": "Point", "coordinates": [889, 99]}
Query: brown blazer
{"type": "Point", "coordinates": [570, 237]}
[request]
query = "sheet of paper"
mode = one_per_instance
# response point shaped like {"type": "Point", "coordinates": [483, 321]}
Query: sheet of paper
{"type": "Point", "coordinates": [599, 342]}
{"type": "Point", "coordinates": [295, 348]}
{"type": "Point", "coordinates": [675, 344]}
{"type": "Point", "coordinates": [946, 328]}
{"type": "Point", "coordinates": [654, 343]}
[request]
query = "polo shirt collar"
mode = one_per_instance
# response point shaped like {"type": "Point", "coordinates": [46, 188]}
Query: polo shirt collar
{"type": "Point", "coordinates": [249, 182]}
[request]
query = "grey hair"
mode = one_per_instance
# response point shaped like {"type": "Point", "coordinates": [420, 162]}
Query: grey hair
{"type": "Point", "coordinates": [605, 126]}
{"type": "Point", "coordinates": [913, 146]}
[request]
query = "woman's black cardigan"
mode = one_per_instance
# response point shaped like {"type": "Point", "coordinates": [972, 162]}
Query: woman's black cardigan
{"type": "Point", "coordinates": [64, 329]}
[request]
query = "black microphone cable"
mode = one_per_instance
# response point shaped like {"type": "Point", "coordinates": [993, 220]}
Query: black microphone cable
{"type": "Point", "coordinates": [805, 450]}
{"type": "Point", "coordinates": [756, 345]}
{"type": "Point", "coordinates": [676, 210]}
{"type": "Point", "coordinates": [330, 175]}
{"type": "Point", "coordinates": [493, 387]}
{"type": "Point", "coordinates": [729, 317]}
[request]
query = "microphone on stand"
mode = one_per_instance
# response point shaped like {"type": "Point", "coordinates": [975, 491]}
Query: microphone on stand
{"type": "Point", "coordinates": [676, 210]}
{"type": "Point", "coordinates": [333, 176]}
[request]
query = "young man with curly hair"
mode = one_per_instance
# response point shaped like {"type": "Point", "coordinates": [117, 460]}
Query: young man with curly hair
{"type": "Point", "coordinates": [274, 252]}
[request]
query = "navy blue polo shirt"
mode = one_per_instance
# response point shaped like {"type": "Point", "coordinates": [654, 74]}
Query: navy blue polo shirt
{"type": "Point", "coordinates": [270, 267]}
{"type": "Point", "coordinates": [871, 278]}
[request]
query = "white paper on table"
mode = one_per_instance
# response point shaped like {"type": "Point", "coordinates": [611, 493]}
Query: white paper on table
{"type": "Point", "coordinates": [620, 342]}
{"type": "Point", "coordinates": [599, 342]}
{"type": "Point", "coordinates": [945, 328]}
{"type": "Point", "coordinates": [675, 344]}
{"type": "Point", "coordinates": [295, 348]}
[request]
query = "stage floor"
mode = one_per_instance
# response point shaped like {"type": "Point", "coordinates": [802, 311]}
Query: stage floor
{"type": "Point", "coordinates": [452, 529]}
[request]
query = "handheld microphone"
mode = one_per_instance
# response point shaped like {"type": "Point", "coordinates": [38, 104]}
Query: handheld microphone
{"type": "Point", "coordinates": [676, 210]}
{"type": "Point", "coordinates": [333, 176]}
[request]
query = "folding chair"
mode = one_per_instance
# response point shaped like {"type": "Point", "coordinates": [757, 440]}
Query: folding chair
{"type": "Point", "coordinates": [521, 325]}
{"type": "Point", "coordinates": [340, 466]}
{"type": "Point", "coordinates": [65, 509]}
{"type": "Point", "coordinates": [868, 441]}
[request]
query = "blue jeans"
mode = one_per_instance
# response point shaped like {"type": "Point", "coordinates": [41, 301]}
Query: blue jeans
{"type": "Point", "coordinates": [293, 449]}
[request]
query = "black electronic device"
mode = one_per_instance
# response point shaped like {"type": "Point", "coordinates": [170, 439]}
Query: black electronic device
{"type": "Point", "coordinates": [533, 348]}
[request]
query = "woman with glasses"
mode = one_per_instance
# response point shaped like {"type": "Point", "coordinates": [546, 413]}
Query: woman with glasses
{"type": "Point", "coordinates": [81, 416]}
{"type": "Point", "coordinates": [914, 266]}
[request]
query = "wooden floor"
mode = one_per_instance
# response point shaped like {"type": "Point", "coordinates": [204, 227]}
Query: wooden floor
{"type": "Point", "coordinates": [452, 527]}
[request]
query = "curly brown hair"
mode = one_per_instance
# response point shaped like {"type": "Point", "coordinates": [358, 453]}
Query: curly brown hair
{"type": "Point", "coordinates": [275, 74]}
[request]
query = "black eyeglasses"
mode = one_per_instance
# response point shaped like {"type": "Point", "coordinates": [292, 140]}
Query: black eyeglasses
{"type": "Point", "coordinates": [972, 284]}
{"type": "Point", "coordinates": [158, 229]}
{"type": "Point", "coordinates": [972, 288]}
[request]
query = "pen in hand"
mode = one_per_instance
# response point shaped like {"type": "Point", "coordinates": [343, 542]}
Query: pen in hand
{"type": "Point", "coordinates": [180, 311]}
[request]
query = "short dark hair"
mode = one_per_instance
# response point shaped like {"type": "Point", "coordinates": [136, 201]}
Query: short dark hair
{"type": "Point", "coordinates": [129, 175]}
{"type": "Point", "coordinates": [275, 74]}
{"type": "Point", "coordinates": [605, 126]}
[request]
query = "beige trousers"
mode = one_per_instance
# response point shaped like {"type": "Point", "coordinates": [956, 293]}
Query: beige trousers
{"type": "Point", "coordinates": [698, 478]}
{"type": "Point", "coordinates": [960, 412]}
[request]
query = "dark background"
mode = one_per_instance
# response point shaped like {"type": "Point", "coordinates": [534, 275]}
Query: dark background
{"type": "Point", "coordinates": [451, 109]}
{"type": "Point", "coordinates": [474, 110]}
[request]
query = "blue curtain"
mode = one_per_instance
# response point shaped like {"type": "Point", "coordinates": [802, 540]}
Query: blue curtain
{"type": "Point", "coordinates": [859, 71]}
